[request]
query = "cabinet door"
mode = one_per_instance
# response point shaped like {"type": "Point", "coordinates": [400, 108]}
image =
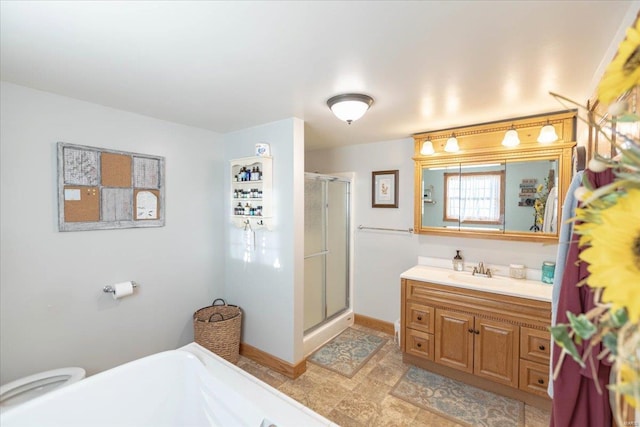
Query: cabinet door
{"type": "Point", "coordinates": [454, 340]}
{"type": "Point", "coordinates": [496, 351]}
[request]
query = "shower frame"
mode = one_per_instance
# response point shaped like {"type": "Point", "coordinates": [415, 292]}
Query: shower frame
{"type": "Point", "coordinates": [334, 323]}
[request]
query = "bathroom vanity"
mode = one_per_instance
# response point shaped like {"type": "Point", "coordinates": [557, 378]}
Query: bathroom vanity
{"type": "Point", "coordinates": [488, 332]}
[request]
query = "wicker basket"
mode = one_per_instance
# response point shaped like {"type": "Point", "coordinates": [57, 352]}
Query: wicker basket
{"type": "Point", "coordinates": [217, 328]}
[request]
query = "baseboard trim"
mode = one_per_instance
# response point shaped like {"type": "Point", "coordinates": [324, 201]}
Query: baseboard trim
{"type": "Point", "coordinates": [273, 362]}
{"type": "Point", "coordinates": [370, 322]}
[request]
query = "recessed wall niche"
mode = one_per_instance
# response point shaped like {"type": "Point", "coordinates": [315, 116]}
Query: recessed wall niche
{"type": "Point", "coordinates": [101, 189]}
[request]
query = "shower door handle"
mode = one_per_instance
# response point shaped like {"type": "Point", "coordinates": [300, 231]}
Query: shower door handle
{"type": "Point", "coordinates": [316, 254]}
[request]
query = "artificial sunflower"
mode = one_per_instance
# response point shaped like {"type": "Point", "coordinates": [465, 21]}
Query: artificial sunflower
{"type": "Point", "coordinates": [614, 254]}
{"type": "Point", "coordinates": [623, 73]}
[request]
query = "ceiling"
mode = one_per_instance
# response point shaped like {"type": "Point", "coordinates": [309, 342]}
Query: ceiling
{"type": "Point", "coordinates": [226, 66]}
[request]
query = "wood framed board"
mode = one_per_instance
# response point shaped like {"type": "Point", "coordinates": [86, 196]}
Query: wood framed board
{"type": "Point", "coordinates": [100, 189]}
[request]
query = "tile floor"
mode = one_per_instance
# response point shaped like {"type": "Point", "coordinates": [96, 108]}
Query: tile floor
{"type": "Point", "coordinates": [365, 399]}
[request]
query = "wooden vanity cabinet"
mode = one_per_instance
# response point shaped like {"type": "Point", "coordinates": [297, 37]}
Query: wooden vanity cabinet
{"type": "Point", "coordinates": [493, 341]}
{"type": "Point", "coordinates": [486, 348]}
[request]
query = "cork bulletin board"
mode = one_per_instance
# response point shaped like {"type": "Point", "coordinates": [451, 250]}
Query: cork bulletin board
{"type": "Point", "coordinates": [101, 189]}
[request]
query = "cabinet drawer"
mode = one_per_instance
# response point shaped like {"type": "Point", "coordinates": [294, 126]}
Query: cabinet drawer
{"type": "Point", "coordinates": [534, 377]}
{"type": "Point", "coordinates": [420, 317]}
{"type": "Point", "coordinates": [419, 344]}
{"type": "Point", "coordinates": [535, 345]}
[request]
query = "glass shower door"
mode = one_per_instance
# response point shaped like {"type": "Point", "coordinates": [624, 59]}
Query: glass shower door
{"type": "Point", "coordinates": [315, 250]}
{"type": "Point", "coordinates": [337, 262]}
{"type": "Point", "coordinates": [326, 274]}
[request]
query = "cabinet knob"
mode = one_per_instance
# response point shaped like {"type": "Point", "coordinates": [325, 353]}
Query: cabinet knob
{"type": "Point", "coordinates": [419, 317]}
{"type": "Point", "coordinates": [470, 330]}
{"type": "Point", "coordinates": [540, 381]}
{"type": "Point", "coordinates": [477, 332]}
{"type": "Point", "coordinates": [419, 345]}
{"type": "Point", "coordinates": [541, 347]}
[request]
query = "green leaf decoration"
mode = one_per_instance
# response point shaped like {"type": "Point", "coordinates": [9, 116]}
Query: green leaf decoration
{"type": "Point", "coordinates": [561, 336]}
{"type": "Point", "coordinates": [619, 318]}
{"type": "Point", "coordinates": [582, 326]}
{"type": "Point", "coordinates": [610, 341]}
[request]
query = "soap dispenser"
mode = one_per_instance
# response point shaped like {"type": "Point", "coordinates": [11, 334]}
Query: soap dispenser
{"type": "Point", "coordinates": [458, 262]}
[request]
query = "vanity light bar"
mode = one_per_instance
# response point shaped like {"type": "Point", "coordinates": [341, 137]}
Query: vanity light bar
{"type": "Point", "coordinates": [543, 128]}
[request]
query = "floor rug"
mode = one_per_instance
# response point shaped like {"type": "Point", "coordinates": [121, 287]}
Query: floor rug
{"type": "Point", "coordinates": [348, 352]}
{"type": "Point", "coordinates": [457, 401]}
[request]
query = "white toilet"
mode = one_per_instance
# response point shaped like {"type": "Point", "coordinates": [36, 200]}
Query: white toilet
{"type": "Point", "coordinates": [27, 388]}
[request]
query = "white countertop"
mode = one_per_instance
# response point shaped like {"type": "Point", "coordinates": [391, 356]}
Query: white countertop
{"type": "Point", "coordinates": [498, 284]}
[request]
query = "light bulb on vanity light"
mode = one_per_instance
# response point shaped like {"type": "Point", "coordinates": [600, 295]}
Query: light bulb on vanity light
{"type": "Point", "coordinates": [547, 134]}
{"type": "Point", "coordinates": [452, 144]}
{"type": "Point", "coordinates": [427, 148]}
{"type": "Point", "coordinates": [511, 138]}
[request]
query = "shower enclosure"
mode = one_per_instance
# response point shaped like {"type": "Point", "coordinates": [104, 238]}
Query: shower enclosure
{"type": "Point", "coordinates": [327, 233]}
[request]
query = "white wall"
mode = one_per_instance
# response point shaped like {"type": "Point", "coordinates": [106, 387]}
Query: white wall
{"type": "Point", "coordinates": [267, 282]}
{"type": "Point", "coordinates": [53, 310]}
{"type": "Point", "coordinates": [380, 256]}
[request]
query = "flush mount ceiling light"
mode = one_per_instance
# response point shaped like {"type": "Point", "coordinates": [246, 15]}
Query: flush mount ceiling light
{"type": "Point", "coordinates": [452, 144]}
{"type": "Point", "coordinates": [427, 148]}
{"type": "Point", "coordinates": [547, 134]}
{"type": "Point", "coordinates": [349, 106]}
{"type": "Point", "coordinates": [511, 138]}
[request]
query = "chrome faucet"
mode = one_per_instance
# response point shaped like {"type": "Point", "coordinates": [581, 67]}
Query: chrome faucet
{"type": "Point", "coordinates": [481, 271]}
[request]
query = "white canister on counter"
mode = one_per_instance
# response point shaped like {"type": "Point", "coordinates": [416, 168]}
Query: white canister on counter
{"type": "Point", "coordinates": [517, 271]}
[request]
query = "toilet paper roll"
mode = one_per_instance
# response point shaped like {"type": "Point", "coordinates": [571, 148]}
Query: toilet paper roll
{"type": "Point", "coordinates": [122, 290]}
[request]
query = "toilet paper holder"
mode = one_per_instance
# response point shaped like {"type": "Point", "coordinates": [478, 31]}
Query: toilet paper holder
{"type": "Point", "coordinates": [111, 290]}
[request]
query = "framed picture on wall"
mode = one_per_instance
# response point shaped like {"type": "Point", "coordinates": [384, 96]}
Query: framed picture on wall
{"type": "Point", "coordinates": [384, 191]}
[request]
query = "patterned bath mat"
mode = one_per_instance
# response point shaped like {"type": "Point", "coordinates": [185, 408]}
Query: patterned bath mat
{"type": "Point", "coordinates": [457, 401]}
{"type": "Point", "coordinates": [348, 352]}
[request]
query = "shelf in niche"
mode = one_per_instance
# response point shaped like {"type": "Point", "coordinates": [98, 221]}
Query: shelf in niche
{"type": "Point", "coordinates": [264, 185]}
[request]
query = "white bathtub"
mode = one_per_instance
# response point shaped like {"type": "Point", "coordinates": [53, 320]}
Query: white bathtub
{"type": "Point", "coordinates": [186, 387]}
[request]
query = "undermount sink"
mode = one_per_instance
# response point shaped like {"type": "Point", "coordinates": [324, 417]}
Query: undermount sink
{"type": "Point", "coordinates": [477, 280]}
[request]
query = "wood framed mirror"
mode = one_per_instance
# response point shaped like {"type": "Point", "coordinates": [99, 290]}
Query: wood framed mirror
{"type": "Point", "coordinates": [487, 190]}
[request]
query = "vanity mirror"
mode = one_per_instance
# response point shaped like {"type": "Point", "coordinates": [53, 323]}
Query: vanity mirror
{"type": "Point", "coordinates": [489, 190]}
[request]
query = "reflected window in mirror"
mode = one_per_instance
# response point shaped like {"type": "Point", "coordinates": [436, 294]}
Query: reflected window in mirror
{"type": "Point", "coordinates": [474, 197]}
